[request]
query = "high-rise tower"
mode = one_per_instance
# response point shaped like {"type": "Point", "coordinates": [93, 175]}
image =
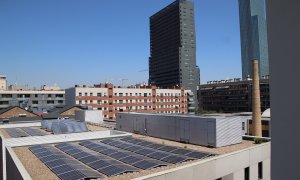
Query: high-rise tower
{"type": "Point", "coordinates": [253, 31]}
{"type": "Point", "coordinates": [173, 47]}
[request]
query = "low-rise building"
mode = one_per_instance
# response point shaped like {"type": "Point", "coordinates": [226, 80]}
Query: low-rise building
{"type": "Point", "coordinates": [34, 100]}
{"type": "Point", "coordinates": [145, 99]}
{"type": "Point", "coordinates": [16, 114]}
{"type": "Point", "coordinates": [232, 96]}
{"type": "Point", "coordinates": [29, 151]}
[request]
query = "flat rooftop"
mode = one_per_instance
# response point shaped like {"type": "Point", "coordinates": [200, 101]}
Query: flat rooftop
{"type": "Point", "coordinates": [34, 129]}
{"type": "Point", "coordinates": [118, 158]}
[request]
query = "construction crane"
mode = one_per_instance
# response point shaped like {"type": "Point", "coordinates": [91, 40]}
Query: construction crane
{"type": "Point", "coordinates": [123, 81]}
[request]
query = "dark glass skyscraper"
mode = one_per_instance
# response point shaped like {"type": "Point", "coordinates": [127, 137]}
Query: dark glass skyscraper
{"type": "Point", "coordinates": [173, 47]}
{"type": "Point", "coordinates": [253, 30]}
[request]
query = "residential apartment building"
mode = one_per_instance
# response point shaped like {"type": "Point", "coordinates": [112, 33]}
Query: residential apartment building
{"type": "Point", "coordinates": [233, 95]}
{"type": "Point", "coordinates": [34, 100]}
{"type": "Point", "coordinates": [254, 43]}
{"type": "Point", "coordinates": [173, 47]}
{"type": "Point", "coordinates": [146, 99]}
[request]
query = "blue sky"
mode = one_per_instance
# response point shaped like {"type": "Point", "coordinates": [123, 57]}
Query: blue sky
{"type": "Point", "coordinates": [72, 42]}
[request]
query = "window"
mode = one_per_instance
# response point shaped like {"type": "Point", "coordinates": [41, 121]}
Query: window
{"type": "Point", "coordinates": [50, 102]}
{"type": "Point", "coordinates": [60, 102]}
{"type": "Point", "coordinates": [59, 95]}
{"type": "Point", "coordinates": [99, 94]}
{"type": "Point", "coordinates": [80, 102]}
{"type": "Point", "coordinates": [4, 102]}
{"type": "Point", "coordinates": [35, 102]}
{"type": "Point", "coordinates": [121, 94]}
{"type": "Point", "coordinates": [6, 95]}
{"type": "Point", "coordinates": [80, 94]}
{"type": "Point", "coordinates": [247, 173]}
{"type": "Point", "coordinates": [260, 170]}
{"type": "Point", "coordinates": [49, 95]}
{"type": "Point", "coordinates": [85, 94]}
{"type": "Point", "coordinates": [145, 94]}
{"type": "Point", "coordinates": [243, 126]}
{"type": "Point", "coordinates": [91, 94]}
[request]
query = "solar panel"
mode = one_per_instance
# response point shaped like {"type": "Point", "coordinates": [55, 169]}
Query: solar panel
{"type": "Point", "coordinates": [123, 145]}
{"type": "Point", "coordinates": [71, 175]}
{"type": "Point", "coordinates": [16, 132]}
{"type": "Point", "coordinates": [100, 165]}
{"type": "Point", "coordinates": [131, 159]}
{"type": "Point", "coordinates": [62, 165]}
{"type": "Point", "coordinates": [80, 155]}
{"type": "Point", "coordinates": [159, 155]}
{"type": "Point", "coordinates": [127, 168]}
{"type": "Point", "coordinates": [119, 155]}
{"type": "Point", "coordinates": [33, 132]}
{"type": "Point", "coordinates": [145, 152]}
{"type": "Point", "coordinates": [155, 146]}
{"type": "Point", "coordinates": [83, 143]}
{"type": "Point", "coordinates": [134, 148]}
{"type": "Point", "coordinates": [127, 157]}
{"type": "Point", "coordinates": [146, 164]}
{"type": "Point", "coordinates": [111, 170]}
{"type": "Point", "coordinates": [107, 141]}
{"type": "Point", "coordinates": [174, 159]}
{"type": "Point", "coordinates": [55, 163]}
{"type": "Point", "coordinates": [62, 169]}
{"type": "Point", "coordinates": [109, 151]}
{"type": "Point", "coordinates": [181, 151]}
{"type": "Point", "coordinates": [145, 143]}
{"type": "Point", "coordinates": [73, 151]}
{"type": "Point", "coordinates": [168, 148]}
{"type": "Point", "coordinates": [89, 159]}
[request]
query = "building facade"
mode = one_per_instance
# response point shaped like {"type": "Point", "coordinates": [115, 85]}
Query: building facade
{"type": "Point", "coordinates": [146, 99]}
{"type": "Point", "coordinates": [34, 100]}
{"type": "Point", "coordinates": [232, 95]}
{"type": "Point", "coordinates": [173, 47]}
{"type": "Point", "coordinates": [3, 82]}
{"type": "Point", "coordinates": [253, 32]}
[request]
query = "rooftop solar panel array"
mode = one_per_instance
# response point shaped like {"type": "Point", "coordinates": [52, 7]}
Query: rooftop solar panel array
{"type": "Point", "coordinates": [166, 148]}
{"type": "Point", "coordinates": [106, 167]}
{"type": "Point", "coordinates": [34, 132]}
{"type": "Point", "coordinates": [16, 132]}
{"type": "Point", "coordinates": [149, 152]}
{"type": "Point", "coordinates": [62, 165]}
{"type": "Point", "coordinates": [109, 157]}
{"type": "Point", "coordinates": [127, 157]}
{"type": "Point", "coordinates": [24, 132]}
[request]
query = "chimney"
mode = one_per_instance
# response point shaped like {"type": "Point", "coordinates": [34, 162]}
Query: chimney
{"type": "Point", "coordinates": [256, 110]}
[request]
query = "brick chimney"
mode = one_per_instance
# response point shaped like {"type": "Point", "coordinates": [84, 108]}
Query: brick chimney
{"type": "Point", "coordinates": [256, 109]}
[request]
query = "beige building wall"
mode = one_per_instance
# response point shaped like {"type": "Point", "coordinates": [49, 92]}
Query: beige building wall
{"type": "Point", "coordinates": [3, 83]}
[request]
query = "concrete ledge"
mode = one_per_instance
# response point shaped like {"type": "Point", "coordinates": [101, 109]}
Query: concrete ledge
{"type": "Point", "coordinates": [15, 168]}
{"type": "Point", "coordinates": [217, 167]}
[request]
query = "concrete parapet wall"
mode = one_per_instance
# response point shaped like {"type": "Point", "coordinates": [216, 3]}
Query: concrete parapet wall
{"type": "Point", "coordinates": [228, 166]}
